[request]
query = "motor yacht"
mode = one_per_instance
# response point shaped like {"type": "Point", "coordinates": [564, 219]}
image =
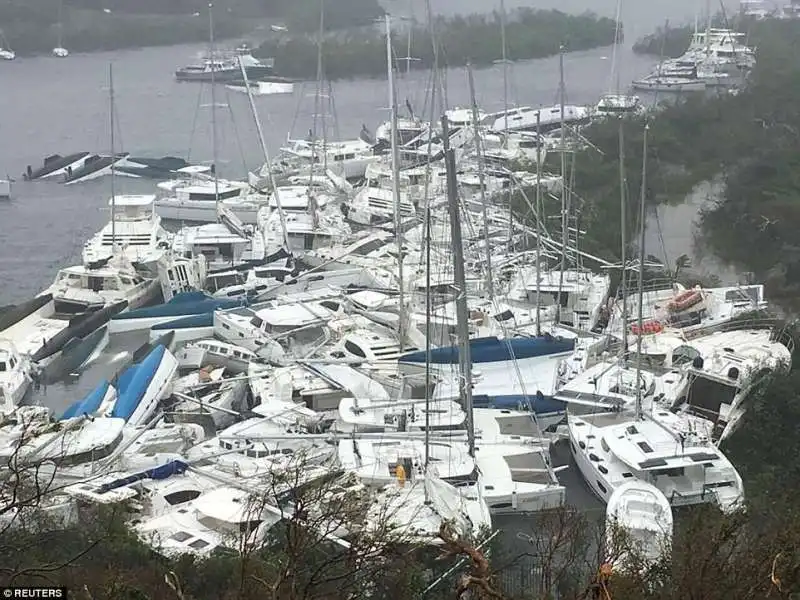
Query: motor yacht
{"type": "Point", "coordinates": [135, 230]}
{"type": "Point", "coordinates": [81, 289]}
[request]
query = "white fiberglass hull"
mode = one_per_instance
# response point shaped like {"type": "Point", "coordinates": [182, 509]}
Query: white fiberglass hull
{"type": "Point", "coordinates": [264, 88]}
{"type": "Point", "coordinates": [203, 211]}
{"type": "Point", "coordinates": [669, 85]}
{"type": "Point", "coordinates": [116, 326]}
{"type": "Point", "coordinates": [184, 334]}
{"type": "Point", "coordinates": [78, 164]}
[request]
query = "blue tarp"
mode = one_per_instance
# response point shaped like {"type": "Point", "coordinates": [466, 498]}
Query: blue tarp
{"type": "Point", "coordinates": [130, 394]}
{"type": "Point", "coordinates": [493, 349]}
{"type": "Point", "coordinates": [175, 467]}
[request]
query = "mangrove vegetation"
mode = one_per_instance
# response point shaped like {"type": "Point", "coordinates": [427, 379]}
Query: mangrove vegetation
{"type": "Point", "coordinates": [475, 38]}
{"type": "Point", "coordinates": [35, 26]}
{"type": "Point", "coordinates": [743, 143]}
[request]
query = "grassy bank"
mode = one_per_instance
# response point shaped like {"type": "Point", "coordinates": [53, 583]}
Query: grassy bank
{"type": "Point", "coordinates": [476, 38]}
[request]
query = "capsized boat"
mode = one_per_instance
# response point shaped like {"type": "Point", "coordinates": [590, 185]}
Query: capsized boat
{"type": "Point", "coordinates": [55, 165]}
{"type": "Point", "coordinates": [182, 305]}
{"type": "Point", "coordinates": [96, 165]}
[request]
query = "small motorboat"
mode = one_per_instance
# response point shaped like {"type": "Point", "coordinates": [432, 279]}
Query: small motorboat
{"type": "Point", "coordinates": [263, 87]}
{"type": "Point", "coordinates": [60, 52]}
{"type": "Point", "coordinates": [638, 525]}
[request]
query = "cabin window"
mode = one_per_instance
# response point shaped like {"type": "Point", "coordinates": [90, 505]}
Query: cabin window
{"type": "Point", "coordinates": [198, 544]}
{"type": "Point", "coordinates": [645, 447]}
{"type": "Point", "coordinates": [593, 457]}
{"type": "Point", "coordinates": [248, 526]}
{"type": "Point", "coordinates": [632, 430]}
{"type": "Point", "coordinates": [95, 284]}
{"type": "Point", "coordinates": [257, 321]}
{"type": "Point", "coordinates": [354, 349]}
{"type": "Point", "coordinates": [504, 316]}
{"type": "Point", "coordinates": [602, 469]}
{"type": "Point", "coordinates": [582, 445]}
{"type": "Point", "coordinates": [627, 475]}
{"type": "Point", "coordinates": [2, 367]}
{"type": "Point", "coordinates": [604, 445]}
{"type": "Point", "coordinates": [677, 472]}
{"type": "Point", "coordinates": [181, 536]}
{"type": "Point", "coordinates": [234, 293]}
{"type": "Point", "coordinates": [181, 497]}
{"type": "Point", "coordinates": [330, 305]}
{"type": "Point", "coordinates": [601, 487]}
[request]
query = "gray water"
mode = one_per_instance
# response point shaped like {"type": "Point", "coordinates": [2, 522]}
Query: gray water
{"type": "Point", "coordinates": [50, 105]}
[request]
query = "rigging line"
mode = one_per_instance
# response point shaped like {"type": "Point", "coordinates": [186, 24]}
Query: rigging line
{"type": "Point", "coordinates": [194, 120]}
{"type": "Point", "coordinates": [297, 106]}
{"type": "Point", "coordinates": [235, 130]}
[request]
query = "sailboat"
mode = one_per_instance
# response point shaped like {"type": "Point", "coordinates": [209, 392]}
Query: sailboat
{"type": "Point", "coordinates": [6, 53]}
{"type": "Point", "coordinates": [59, 51]}
{"type": "Point", "coordinates": [671, 452]}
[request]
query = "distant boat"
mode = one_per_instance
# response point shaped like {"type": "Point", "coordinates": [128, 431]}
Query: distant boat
{"type": "Point", "coordinates": [263, 87]}
{"type": "Point", "coordinates": [6, 53]}
{"type": "Point", "coordinates": [5, 189]}
{"type": "Point", "coordinates": [225, 68]}
{"type": "Point", "coordinates": [151, 168]}
{"type": "Point", "coordinates": [59, 51]}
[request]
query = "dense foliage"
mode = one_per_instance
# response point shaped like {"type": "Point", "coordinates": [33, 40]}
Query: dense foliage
{"type": "Point", "coordinates": [475, 38]}
{"type": "Point", "coordinates": [31, 26]}
{"type": "Point", "coordinates": [745, 142]}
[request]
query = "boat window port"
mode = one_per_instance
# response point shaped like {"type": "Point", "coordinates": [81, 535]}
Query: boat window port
{"type": "Point", "coordinates": [601, 487]}
{"type": "Point", "coordinates": [582, 445]}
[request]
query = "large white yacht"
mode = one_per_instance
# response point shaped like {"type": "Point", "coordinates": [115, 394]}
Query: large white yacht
{"type": "Point", "coordinates": [134, 229]}
{"type": "Point", "coordinates": [81, 289]}
{"type": "Point", "coordinates": [713, 375]}
{"type": "Point", "coordinates": [348, 159]}
{"type": "Point", "coordinates": [672, 452]}
{"type": "Point", "coordinates": [195, 200]}
{"type": "Point", "coordinates": [311, 217]}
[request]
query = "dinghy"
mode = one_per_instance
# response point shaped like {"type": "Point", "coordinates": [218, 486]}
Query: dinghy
{"type": "Point", "coordinates": [638, 525]}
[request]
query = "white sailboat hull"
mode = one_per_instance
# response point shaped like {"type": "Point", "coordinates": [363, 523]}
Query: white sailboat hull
{"type": "Point", "coordinates": [202, 211]}
{"type": "Point", "coordinates": [184, 334]}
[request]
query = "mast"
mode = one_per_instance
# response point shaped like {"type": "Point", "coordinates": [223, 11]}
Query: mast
{"type": "Point", "coordinates": [428, 328]}
{"type": "Point", "coordinates": [265, 151]}
{"type": "Point", "coordinates": [505, 67]}
{"type": "Point", "coordinates": [464, 354]}
{"type": "Point", "coordinates": [640, 317]}
{"type": "Point", "coordinates": [213, 101]}
{"type": "Point", "coordinates": [317, 99]}
{"type": "Point", "coordinates": [396, 179]}
{"type": "Point", "coordinates": [623, 249]}
{"type": "Point", "coordinates": [481, 179]}
{"type": "Point", "coordinates": [564, 191]}
{"type": "Point", "coordinates": [538, 222]}
{"type": "Point", "coordinates": [113, 157]}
